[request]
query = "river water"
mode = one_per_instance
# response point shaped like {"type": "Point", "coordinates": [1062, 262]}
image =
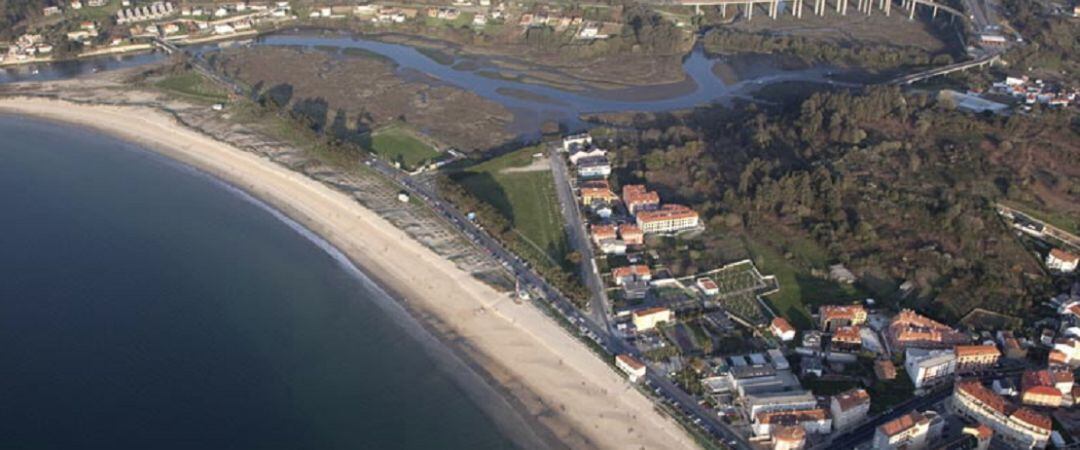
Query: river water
{"type": "Point", "coordinates": [532, 104]}
{"type": "Point", "coordinates": [145, 305]}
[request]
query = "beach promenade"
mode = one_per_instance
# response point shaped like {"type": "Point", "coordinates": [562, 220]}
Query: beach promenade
{"type": "Point", "coordinates": [558, 381]}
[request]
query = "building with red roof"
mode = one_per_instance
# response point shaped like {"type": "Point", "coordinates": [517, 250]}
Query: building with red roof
{"type": "Point", "coordinates": [1020, 427]}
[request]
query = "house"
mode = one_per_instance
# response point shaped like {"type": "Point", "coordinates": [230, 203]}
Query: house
{"type": "Point", "coordinates": [1068, 351]}
{"type": "Point", "coordinates": [594, 167]}
{"type": "Point", "coordinates": [707, 286]}
{"type": "Point", "coordinates": [589, 195]}
{"type": "Point", "coordinates": [647, 319]}
{"type": "Point", "coordinates": [970, 358]}
{"type": "Point", "coordinates": [631, 234]}
{"type": "Point", "coordinates": [76, 4]}
{"type": "Point", "coordinates": [833, 316]}
{"type": "Point", "coordinates": [50, 11]}
{"type": "Point", "coordinates": [1010, 346]}
{"type": "Point", "coordinates": [782, 329]}
{"type": "Point", "coordinates": [613, 247]}
{"type": "Point", "coordinates": [929, 367]}
{"type": "Point", "coordinates": [1061, 261]}
{"type": "Point", "coordinates": [668, 219]}
{"type": "Point", "coordinates": [1037, 388]}
{"type": "Point", "coordinates": [581, 153]}
{"type": "Point", "coordinates": [847, 338]}
{"type": "Point", "coordinates": [623, 274]}
{"type": "Point", "coordinates": [884, 370]}
{"type": "Point", "coordinates": [97, 3]}
{"type": "Point", "coordinates": [909, 329]}
{"type": "Point", "coordinates": [600, 233]}
{"type": "Point", "coordinates": [908, 432]}
{"type": "Point", "coordinates": [572, 142]}
{"type": "Point", "coordinates": [631, 366]}
{"type": "Point", "coordinates": [637, 198]}
{"type": "Point", "coordinates": [849, 408]}
{"type": "Point", "coordinates": [815, 420]}
{"type": "Point", "coordinates": [1017, 427]}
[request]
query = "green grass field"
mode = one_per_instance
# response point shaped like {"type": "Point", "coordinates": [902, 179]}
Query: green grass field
{"type": "Point", "coordinates": [798, 289]}
{"type": "Point", "coordinates": [399, 144]}
{"type": "Point", "coordinates": [194, 86]}
{"type": "Point", "coordinates": [527, 199]}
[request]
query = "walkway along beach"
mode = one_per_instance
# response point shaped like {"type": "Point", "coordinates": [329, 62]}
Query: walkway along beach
{"type": "Point", "coordinates": [561, 384]}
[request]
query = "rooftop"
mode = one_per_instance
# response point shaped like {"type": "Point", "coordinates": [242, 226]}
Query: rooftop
{"type": "Point", "coordinates": [631, 361]}
{"type": "Point", "coordinates": [902, 423]}
{"type": "Point", "coordinates": [850, 399]}
{"type": "Point", "coordinates": [985, 396]}
{"type": "Point", "coordinates": [667, 212]}
{"type": "Point", "coordinates": [782, 325]}
{"type": "Point", "coordinates": [1064, 255]}
{"type": "Point", "coordinates": [963, 351]}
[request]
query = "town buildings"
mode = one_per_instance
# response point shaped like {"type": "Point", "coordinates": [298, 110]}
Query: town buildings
{"type": "Point", "coordinates": [631, 366]}
{"type": "Point", "coordinates": [667, 219]}
{"type": "Point", "coordinates": [647, 319]}
{"type": "Point", "coordinates": [779, 401]}
{"type": "Point", "coordinates": [1019, 427]}
{"type": "Point", "coordinates": [153, 11]}
{"type": "Point", "coordinates": [814, 420]}
{"type": "Point", "coordinates": [1038, 388]}
{"type": "Point", "coordinates": [908, 432]}
{"type": "Point", "coordinates": [601, 233]}
{"type": "Point", "coordinates": [782, 329]}
{"type": "Point", "coordinates": [581, 153]}
{"type": "Point", "coordinates": [1068, 351]}
{"type": "Point", "coordinates": [909, 329]}
{"type": "Point", "coordinates": [788, 438]}
{"type": "Point", "coordinates": [929, 367]}
{"type": "Point", "coordinates": [594, 167]}
{"type": "Point", "coordinates": [590, 195]}
{"type": "Point", "coordinates": [637, 198]}
{"type": "Point", "coordinates": [971, 358]}
{"type": "Point", "coordinates": [637, 271]}
{"type": "Point", "coordinates": [849, 408]}
{"type": "Point", "coordinates": [847, 338]}
{"type": "Point", "coordinates": [631, 234]}
{"type": "Point", "coordinates": [831, 317]}
{"type": "Point", "coordinates": [1062, 261]}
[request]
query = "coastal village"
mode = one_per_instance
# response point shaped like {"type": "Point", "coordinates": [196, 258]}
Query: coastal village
{"type": "Point", "coordinates": [905, 380]}
{"type": "Point", "coordinates": [100, 27]}
{"type": "Point", "coordinates": [860, 375]}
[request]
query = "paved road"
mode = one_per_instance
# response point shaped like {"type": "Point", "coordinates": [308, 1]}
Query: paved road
{"type": "Point", "coordinates": [600, 307]}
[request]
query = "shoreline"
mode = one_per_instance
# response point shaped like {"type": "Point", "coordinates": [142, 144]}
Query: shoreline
{"type": "Point", "coordinates": [553, 381]}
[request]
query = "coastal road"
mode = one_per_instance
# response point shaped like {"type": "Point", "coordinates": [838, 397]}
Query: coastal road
{"type": "Point", "coordinates": [597, 325]}
{"type": "Point", "coordinates": [675, 397]}
{"type": "Point", "coordinates": [600, 306]}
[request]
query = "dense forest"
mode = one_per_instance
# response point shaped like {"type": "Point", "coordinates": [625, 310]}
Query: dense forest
{"type": "Point", "coordinates": [862, 55]}
{"type": "Point", "coordinates": [898, 187]}
{"type": "Point", "coordinates": [14, 12]}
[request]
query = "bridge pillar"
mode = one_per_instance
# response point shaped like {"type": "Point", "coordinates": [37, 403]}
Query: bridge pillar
{"type": "Point", "coordinates": [750, 11]}
{"type": "Point", "coordinates": [911, 16]}
{"type": "Point", "coordinates": [888, 6]}
{"type": "Point", "coordinates": [723, 10]}
{"type": "Point", "coordinates": [934, 16]}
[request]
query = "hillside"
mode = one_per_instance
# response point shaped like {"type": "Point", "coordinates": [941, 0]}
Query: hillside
{"type": "Point", "coordinates": [897, 187]}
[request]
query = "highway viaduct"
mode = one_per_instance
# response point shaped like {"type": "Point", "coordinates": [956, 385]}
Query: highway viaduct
{"type": "Point", "coordinates": [819, 7]}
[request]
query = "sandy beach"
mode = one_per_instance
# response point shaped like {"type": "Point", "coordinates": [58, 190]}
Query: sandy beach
{"type": "Point", "coordinates": [556, 379]}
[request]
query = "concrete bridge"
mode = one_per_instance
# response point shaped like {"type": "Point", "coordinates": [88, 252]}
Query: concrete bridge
{"type": "Point", "coordinates": [819, 7]}
{"type": "Point", "coordinates": [945, 70]}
